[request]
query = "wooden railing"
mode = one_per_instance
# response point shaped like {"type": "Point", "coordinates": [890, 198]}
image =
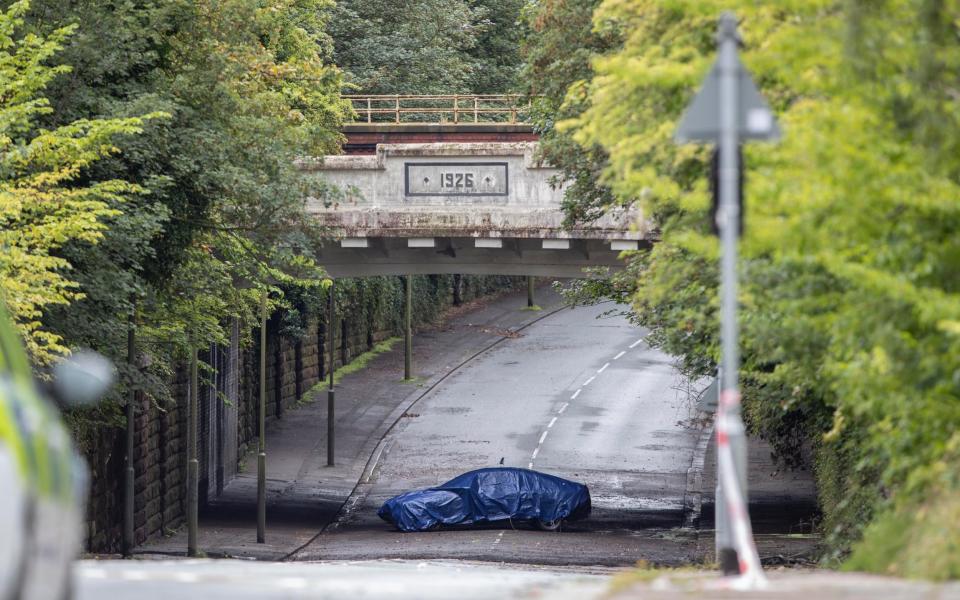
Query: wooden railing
{"type": "Point", "coordinates": [498, 108]}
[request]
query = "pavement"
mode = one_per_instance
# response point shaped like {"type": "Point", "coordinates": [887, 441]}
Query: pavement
{"type": "Point", "coordinates": [435, 580]}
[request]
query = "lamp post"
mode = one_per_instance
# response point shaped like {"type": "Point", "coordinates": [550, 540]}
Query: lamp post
{"type": "Point", "coordinates": [332, 328]}
{"type": "Point", "coordinates": [262, 425]}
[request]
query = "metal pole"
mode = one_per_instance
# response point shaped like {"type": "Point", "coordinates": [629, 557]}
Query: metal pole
{"type": "Point", "coordinates": [723, 545]}
{"type": "Point", "coordinates": [332, 328]}
{"type": "Point", "coordinates": [130, 474]}
{"type": "Point", "coordinates": [731, 422]}
{"type": "Point", "coordinates": [193, 466]}
{"type": "Point", "coordinates": [530, 303]}
{"type": "Point", "coordinates": [407, 327]}
{"type": "Point", "coordinates": [262, 424]}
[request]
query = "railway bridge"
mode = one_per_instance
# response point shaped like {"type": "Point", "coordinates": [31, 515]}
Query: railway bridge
{"type": "Point", "coordinates": [453, 184]}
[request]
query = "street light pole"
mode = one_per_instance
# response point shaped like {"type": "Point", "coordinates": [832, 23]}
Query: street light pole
{"type": "Point", "coordinates": [262, 425]}
{"type": "Point", "coordinates": [408, 327]}
{"type": "Point", "coordinates": [193, 465]}
{"type": "Point", "coordinates": [130, 474]}
{"type": "Point", "coordinates": [332, 328]}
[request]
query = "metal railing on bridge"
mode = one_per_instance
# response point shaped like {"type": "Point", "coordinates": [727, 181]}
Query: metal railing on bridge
{"type": "Point", "coordinates": [456, 108]}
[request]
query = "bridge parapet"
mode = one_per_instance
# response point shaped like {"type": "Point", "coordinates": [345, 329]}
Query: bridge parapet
{"type": "Point", "coordinates": [487, 207]}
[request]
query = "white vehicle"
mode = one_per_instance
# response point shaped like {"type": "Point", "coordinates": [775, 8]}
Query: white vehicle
{"type": "Point", "coordinates": [43, 480]}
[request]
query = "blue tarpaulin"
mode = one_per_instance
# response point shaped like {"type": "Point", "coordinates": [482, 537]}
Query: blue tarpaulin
{"type": "Point", "coordinates": [489, 495]}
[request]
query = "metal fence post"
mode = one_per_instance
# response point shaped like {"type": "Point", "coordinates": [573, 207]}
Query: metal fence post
{"type": "Point", "coordinates": [530, 303]}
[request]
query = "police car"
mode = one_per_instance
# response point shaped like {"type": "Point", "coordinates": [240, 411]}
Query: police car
{"type": "Point", "coordinates": [43, 480]}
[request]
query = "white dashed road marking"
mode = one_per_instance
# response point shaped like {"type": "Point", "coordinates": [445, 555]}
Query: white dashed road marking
{"type": "Point", "coordinates": [536, 451]}
{"type": "Point", "coordinates": [622, 352]}
{"type": "Point", "coordinates": [564, 407]}
{"type": "Point", "coordinates": [576, 393]}
{"type": "Point", "coordinates": [636, 342]}
{"type": "Point", "coordinates": [603, 368]}
{"type": "Point", "coordinates": [587, 382]}
{"type": "Point", "coordinates": [543, 437]}
{"type": "Point", "coordinates": [552, 421]}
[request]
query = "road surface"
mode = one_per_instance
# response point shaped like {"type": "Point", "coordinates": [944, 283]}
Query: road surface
{"type": "Point", "coordinates": [577, 394]}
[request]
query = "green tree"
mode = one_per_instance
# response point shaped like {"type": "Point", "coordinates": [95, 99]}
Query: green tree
{"type": "Point", "coordinates": [497, 50]}
{"type": "Point", "coordinates": [421, 47]}
{"type": "Point", "coordinates": [249, 89]}
{"type": "Point", "coordinates": [558, 63]}
{"type": "Point", "coordinates": [850, 298]}
{"type": "Point", "coordinates": [45, 200]}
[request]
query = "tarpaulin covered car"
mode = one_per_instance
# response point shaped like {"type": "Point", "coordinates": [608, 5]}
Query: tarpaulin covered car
{"type": "Point", "coordinates": [493, 494]}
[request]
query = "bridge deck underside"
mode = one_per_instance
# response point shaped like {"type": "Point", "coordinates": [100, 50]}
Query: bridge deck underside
{"type": "Point", "coordinates": [394, 256]}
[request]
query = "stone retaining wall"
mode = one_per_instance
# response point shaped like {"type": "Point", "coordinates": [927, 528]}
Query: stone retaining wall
{"type": "Point", "coordinates": [294, 366]}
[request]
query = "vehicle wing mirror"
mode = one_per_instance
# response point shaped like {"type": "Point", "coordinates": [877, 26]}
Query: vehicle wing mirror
{"type": "Point", "coordinates": [82, 379]}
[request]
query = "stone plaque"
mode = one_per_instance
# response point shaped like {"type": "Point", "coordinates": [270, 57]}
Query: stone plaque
{"type": "Point", "coordinates": [456, 179]}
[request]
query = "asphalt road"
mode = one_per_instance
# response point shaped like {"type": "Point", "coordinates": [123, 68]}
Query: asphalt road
{"type": "Point", "coordinates": [578, 395]}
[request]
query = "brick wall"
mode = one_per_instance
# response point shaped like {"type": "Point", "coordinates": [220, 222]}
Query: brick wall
{"type": "Point", "coordinates": [294, 366]}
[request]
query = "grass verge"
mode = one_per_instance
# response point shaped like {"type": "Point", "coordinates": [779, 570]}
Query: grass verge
{"type": "Point", "coordinates": [357, 364]}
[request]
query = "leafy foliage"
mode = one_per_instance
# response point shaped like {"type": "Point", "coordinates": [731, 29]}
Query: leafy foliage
{"type": "Point", "coordinates": [850, 298]}
{"type": "Point", "coordinates": [44, 202]}
{"type": "Point", "coordinates": [558, 57]}
{"type": "Point", "coordinates": [428, 46]}
{"type": "Point", "coordinates": [219, 213]}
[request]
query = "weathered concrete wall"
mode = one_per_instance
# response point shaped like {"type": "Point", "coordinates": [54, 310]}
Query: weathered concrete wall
{"type": "Point", "coordinates": [382, 202]}
{"type": "Point", "coordinates": [294, 365]}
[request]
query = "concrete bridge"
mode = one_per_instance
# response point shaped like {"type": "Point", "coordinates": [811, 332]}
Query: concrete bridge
{"type": "Point", "coordinates": [452, 184]}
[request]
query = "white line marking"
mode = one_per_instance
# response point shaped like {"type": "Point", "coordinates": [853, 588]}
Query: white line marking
{"type": "Point", "coordinates": [636, 342]}
{"type": "Point", "coordinates": [552, 421]}
{"type": "Point", "coordinates": [587, 382]}
{"type": "Point", "coordinates": [603, 368]}
{"type": "Point", "coordinates": [622, 352]}
{"type": "Point", "coordinates": [536, 451]}
{"type": "Point", "coordinates": [563, 408]}
{"type": "Point", "coordinates": [185, 577]}
{"type": "Point", "coordinates": [530, 466]}
{"type": "Point", "coordinates": [543, 437]}
{"type": "Point", "coordinates": [576, 393]}
{"type": "Point", "coordinates": [134, 575]}
{"type": "Point", "coordinates": [94, 573]}
{"type": "Point", "coordinates": [499, 537]}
